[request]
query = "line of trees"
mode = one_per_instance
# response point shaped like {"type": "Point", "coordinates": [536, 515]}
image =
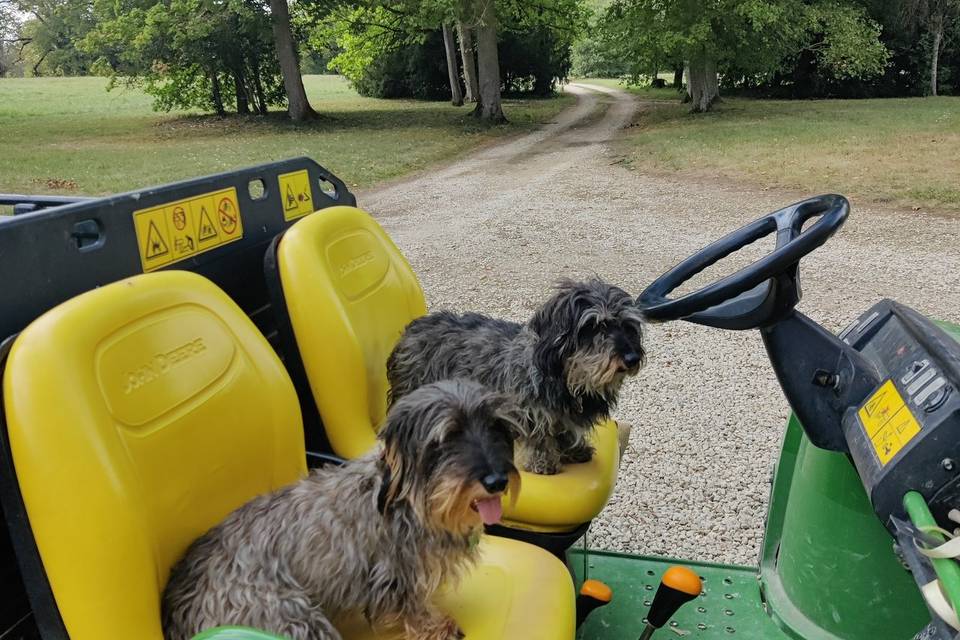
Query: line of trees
{"type": "Point", "coordinates": [244, 55]}
{"type": "Point", "coordinates": [789, 48]}
{"type": "Point", "coordinates": [186, 53]}
{"type": "Point", "coordinates": [468, 50]}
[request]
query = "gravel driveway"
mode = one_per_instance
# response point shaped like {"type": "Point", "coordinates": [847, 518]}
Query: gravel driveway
{"type": "Point", "coordinates": [493, 231]}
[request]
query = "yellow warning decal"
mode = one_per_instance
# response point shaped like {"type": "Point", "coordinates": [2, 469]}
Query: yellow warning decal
{"type": "Point", "coordinates": [182, 229]}
{"type": "Point", "coordinates": [296, 194]}
{"type": "Point", "coordinates": [888, 422]}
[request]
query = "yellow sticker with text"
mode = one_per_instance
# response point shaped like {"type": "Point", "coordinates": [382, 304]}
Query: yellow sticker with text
{"type": "Point", "coordinates": [179, 230]}
{"type": "Point", "coordinates": [888, 422]}
{"type": "Point", "coordinates": [296, 194]}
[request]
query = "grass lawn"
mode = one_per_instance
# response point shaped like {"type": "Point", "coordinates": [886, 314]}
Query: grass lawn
{"type": "Point", "coordinates": [69, 135]}
{"type": "Point", "coordinates": [903, 151]}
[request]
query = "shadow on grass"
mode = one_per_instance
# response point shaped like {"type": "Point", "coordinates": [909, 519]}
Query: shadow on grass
{"type": "Point", "coordinates": [410, 114]}
{"type": "Point", "coordinates": [329, 121]}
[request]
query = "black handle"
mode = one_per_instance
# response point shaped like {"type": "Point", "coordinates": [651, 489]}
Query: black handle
{"type": "Point", "coordinates": [678, 586]}
{"type": "Point", "coordinates": [593, 595]}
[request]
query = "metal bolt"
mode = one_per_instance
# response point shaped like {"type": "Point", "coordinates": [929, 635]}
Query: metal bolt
{"type": "Point", "coordinates": [948, 464]}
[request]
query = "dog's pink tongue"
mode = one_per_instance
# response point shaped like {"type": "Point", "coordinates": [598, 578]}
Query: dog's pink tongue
{"type": "Point", "coordinates": [490, 510]}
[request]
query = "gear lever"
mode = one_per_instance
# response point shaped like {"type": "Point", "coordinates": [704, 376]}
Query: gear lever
{"type": "Point", "coordinates": [677, 586]}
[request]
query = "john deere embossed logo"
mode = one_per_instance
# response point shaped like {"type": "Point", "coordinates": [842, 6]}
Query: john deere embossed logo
{"type": "Point", "coordinates": [353, 264]}
{"type": "Point", "coordinates": [161, 364]}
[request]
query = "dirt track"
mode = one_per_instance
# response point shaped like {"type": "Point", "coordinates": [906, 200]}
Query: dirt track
{"type": "Point", "coordinates": [492, 232]}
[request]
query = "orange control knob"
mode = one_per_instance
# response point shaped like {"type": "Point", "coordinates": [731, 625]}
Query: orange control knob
{"type": "Point", "coordinates": [593, 595]}
{"type": "Point", "coordinates": [596, 590]}
{"type": "Point", "coordinates": [678, 585]}
{"type": "Point", "coordinates": [682, 579]}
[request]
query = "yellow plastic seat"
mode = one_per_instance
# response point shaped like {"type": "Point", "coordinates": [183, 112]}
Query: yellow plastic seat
{"type": "Point", "coordinates": [140, 414]}
{"type": "Point", "coordinates": [512, 594]}
{"type": "Point", "coordinates": [349, 293]}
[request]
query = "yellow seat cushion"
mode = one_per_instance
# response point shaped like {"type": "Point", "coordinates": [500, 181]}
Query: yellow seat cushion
{"type": "Point", "coordinates": [517, 591]}
{"type": "Point", "coordinates": [349, 294]}
{"type": "Point", "coordinates": [139, 415]}
{"type": "Point", "coordinates": [576, 495]}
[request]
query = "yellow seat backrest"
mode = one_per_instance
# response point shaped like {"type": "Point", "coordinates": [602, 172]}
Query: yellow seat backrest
{"type": "Point", "coordinates": [349, 293]}
{"type": "Point", "coordinates": [139, 415]}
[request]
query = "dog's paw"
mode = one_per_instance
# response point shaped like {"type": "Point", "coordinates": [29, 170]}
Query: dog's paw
{"type": "Point", "coordinates": [435, 628]}
{"type": "Point", "coordinates": [577, 455]}
{"type": "Point", "coordinates": [453, 631]}
{"type": "Point", "coordinates": [543, 467]}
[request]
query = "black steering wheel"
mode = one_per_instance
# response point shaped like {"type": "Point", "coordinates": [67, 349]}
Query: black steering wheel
{"type": "Point", "coordinates": [760, 293]}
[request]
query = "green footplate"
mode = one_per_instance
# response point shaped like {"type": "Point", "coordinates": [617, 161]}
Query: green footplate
{"type": "Point", "coordinates": [729, 607]}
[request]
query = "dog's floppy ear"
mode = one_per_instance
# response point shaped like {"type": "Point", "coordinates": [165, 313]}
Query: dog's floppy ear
{"type": "Point", "coordinates": [555, 324]}
{"type": "Point", "coordinates": [399, 435]}
{"type": "Point", "coordinates": [508, 413]}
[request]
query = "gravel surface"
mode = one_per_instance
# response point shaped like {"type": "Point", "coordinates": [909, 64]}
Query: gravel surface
{"type": "Point", "coordinates": [493, 231]}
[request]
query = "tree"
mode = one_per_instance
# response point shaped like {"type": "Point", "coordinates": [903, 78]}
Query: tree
{"type": "Point", "coordinates": [189, 53]}
{"type": "Point", "coordinates": [456, 96]}
{"type": "Point", "coordinates": [11, 42]}
{"type": "Point", "coordinates": [489, 105]}
{"type": "Point", "coordinates": [366, 32]}
{"type": "Point", "coordinates": [45, 40]}
{"type": "Point", "coordinates": [740, 38]}
{"type": "Point", "coordinates": [465, 36]}
{"type": "Point", "coordinates": [297, 104]}
{"type": "Point", "coordinates": [934, 16]}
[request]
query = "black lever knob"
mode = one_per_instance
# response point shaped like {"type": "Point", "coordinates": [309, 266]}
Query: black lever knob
{"type": "Point", "coordinates": [678, 586]}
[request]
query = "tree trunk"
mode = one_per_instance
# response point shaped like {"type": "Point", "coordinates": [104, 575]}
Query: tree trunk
{"type": "Point", "coordinates": [489, 107]}
{"type": "Point", "coordinates": [215, 95]}
{"type": "Point", "coordinates": [243, 103]}
{"type": "Point", "coordinates": [702, 82]}
{"type": "Point", "coordinates": [713, 80]}
{"type": "Point", "coordinates": [298, 106]}
{"type": "Point", "coordinates": [678, 78]}
{"type": "Point", "coordinates": [456, 97]}
{"type": "Point", "coordinates": [465, 35]}
{"type": "Point", "coordinates": [259, 97]}
{"type": "Point", "coordinates": [935, 52]}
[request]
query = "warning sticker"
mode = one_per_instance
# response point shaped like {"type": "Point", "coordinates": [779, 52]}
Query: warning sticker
{"type": "Point", "coordinates": [296, 194]}
{"type": "Point", "coordinates": [178, 230]}
{"type": "Point", "coordinates": [888, 422]}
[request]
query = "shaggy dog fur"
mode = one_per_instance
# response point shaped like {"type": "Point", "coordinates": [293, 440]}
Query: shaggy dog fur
{"type": "Point", "coordinates": [564, 368]}
{"type": "Point", "coordinates": [376, 536]}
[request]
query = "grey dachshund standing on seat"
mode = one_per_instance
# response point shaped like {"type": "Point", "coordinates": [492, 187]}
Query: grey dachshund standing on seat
{"type": "Point", "coordinates": [564, 368]}
{"type": "Point", "coordinates": [375, 537]}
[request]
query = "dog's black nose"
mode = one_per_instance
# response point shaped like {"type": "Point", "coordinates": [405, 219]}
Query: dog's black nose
{"type": "Point", "coordinates": [494, 482]}
{"type": "Point", "coordinates": [632, 359]}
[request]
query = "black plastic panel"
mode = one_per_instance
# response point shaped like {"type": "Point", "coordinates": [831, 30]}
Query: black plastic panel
{"type": "Point", "coordinates": [49, 257]}
{"type": "Point", "coordinates": [922, 363]}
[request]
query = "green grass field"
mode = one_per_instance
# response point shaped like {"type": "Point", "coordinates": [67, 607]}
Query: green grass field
{"type": "Point", "coordinates": [902, 151]}
{"type": "Point", "coordinates": [69, 135]}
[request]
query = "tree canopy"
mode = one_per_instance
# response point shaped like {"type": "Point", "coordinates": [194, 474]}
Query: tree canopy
{"type": "Point", "coordinates": [740, 39]}
{"type": "Point", "coordinates": [189, 53]}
